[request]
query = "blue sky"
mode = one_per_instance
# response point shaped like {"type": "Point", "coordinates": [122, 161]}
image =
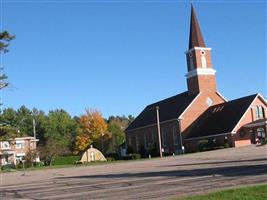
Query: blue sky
{"type": "Point", "coordinates": [119, 56]}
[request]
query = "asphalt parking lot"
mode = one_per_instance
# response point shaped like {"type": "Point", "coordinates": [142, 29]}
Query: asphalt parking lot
{"type": "Point", "coordinates": [164, 178]}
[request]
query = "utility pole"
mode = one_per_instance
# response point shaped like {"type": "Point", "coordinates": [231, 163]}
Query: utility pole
{"type": "Point", "coordinates": [34, 127]}
{"type": "Point", "coordinates": [181, 138]}
{"type": "Point", "coordinates": [102, 142]}
{"type": "Point", "coordinates": [160, 148]}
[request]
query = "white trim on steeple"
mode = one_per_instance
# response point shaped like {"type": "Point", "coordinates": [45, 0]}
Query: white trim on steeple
{"type": "Point", "coordinates": [197, 48]}
{"type": "Point", "coordinates": [200, 71]}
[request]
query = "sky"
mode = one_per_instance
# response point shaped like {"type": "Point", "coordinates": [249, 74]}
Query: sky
{"type": "Point", "coordinates": [119, 56]}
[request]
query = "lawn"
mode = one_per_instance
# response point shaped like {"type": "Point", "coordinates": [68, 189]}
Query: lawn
{"type": "Point", "coordinates": [258, 192]}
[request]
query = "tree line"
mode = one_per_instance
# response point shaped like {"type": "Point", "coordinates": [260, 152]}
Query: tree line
{"type": "Point", "coordinates": [61, 134]}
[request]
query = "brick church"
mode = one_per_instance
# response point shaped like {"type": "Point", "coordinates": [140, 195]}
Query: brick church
{"type": "Point", "coordinates": [200, 116]}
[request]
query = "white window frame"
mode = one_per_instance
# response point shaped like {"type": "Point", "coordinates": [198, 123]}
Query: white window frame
{"type": "Point", "coordinates": [203, 61]}
{"type": "Point", "coordinates": [3, 145]}
{"type": "Point", "coordinates": [21, 143]}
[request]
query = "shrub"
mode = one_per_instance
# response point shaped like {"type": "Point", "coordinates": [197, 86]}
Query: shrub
{"type": "Point", "coordinates": [8, 167]}
{"type": "Point", "coordinates": [152, 150]}
{"type": "Point", "coordinates": [136, 156]}
{"type": "Point", "coordinates": [129, 150]}
{"type": "Point", "coordinates": [132, 156]}
{"type": "Point", "coordinates": [113, 155]}
{"type": "Point", "coordinates": [142, 151]}
{"type": "Point", "coordinates": [127, 157]}
{"type": "Point", "coordinates": [19, 165]}
{"type": "Point", "coordinates": [226, 145]}
{"type": "Point", "coordinates": [109, 159]}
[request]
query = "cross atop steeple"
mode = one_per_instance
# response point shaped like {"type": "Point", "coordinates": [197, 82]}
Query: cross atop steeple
{"type": "Point", "coordinates": [195, 39]}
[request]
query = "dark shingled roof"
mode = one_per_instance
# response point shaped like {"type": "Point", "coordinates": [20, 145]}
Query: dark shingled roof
{"type": "Point", "coordinates": [169, 108]}
{"type": "Point", "coordinates": [221, 118]}
{"type": "Point", "coordinates": [195, 39]}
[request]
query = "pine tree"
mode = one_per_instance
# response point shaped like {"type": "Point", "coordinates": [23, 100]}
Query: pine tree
{"type": "Point", "coordinates": [5, 38]}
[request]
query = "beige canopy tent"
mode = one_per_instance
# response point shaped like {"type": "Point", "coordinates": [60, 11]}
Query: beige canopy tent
{"type": "Point", "coordinates": [92, 154]}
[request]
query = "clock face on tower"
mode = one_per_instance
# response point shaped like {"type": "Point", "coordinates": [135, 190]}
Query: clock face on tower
{"type": "Point", "coordinates": [190, 54]}
{"type": "Point", "coordinates": [209, 101]}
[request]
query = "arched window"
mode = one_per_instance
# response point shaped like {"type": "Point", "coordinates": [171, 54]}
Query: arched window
{"type": "Point", "coordinates": [203, 61]}
{"type": "Point", "coordinates": [153, 137]}
{"type": "Point", "coordinates": [130, 140]}
{"type": "Point", "coordinates": [175, 135]}
{"type": "Point", "coordinates": [164, 137]}
{"type": "Point", "coordinates": [137, 143]}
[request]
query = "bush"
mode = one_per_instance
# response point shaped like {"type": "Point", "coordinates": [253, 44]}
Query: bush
{"type": "Point", "coordinates": [127, 157]}
{"type": "Point", "coordinates": [109, 159]}
{"type": "Point", "coordinates": [129, 150]}
{"type": "Point", "coordinates": [142, 151]}
{"type": "Point", "coordinates": [19, 165]}
{"type": "Point", "coordinates": [113, 155]}
{"type": "Point", "coordinates": [152, 150]}
{"type": "Point", "coordinates": [226, 145]}
{"type": "Point", "coordinates": [8, 167]}
{"type": "Point", "coordinates": [132, 156]}
{"type": "Point", "coordinates": [66, 160]}
{"type": "Point", "coordinates": [207, 145]}
{"type": "Point", "coordinates": [136, 156]}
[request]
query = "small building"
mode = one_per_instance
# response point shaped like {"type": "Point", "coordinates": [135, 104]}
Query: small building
{"type": "Point", "coordinates": [200, 114]}
{"type": "Point", "coordinates": [13, 151]}
{"type": "Point", "coordinates": [91, 155]}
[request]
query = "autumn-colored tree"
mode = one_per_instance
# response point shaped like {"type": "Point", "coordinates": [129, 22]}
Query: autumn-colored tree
{"type": "Point", "coordinates": [92, 130]}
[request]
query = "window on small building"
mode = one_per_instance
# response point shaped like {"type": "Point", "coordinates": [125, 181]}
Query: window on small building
{"type": "Point", "coordinates": [259, 112]}
{"type": "Point", "coordinates": [174, 135]}
{"type": "Point", "coordinates": [5, 145]}
{"type": "Point", "coordinates": [20, 144]}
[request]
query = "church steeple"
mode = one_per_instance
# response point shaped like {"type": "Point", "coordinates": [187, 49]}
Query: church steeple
{"type": "Point", "coordinates": [201, 75]}
{"type": "Point", "coordinates": [195, 38]}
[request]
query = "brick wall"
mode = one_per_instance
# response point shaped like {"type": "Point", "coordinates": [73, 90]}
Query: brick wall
{"type": "Point", "coordinates": [167, 128]}
{"type": "Point", "coordinates": [250, 114]}
{"type": "Point", "coordinates": [196, 109]}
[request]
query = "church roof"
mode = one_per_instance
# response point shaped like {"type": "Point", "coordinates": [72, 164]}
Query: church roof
{"type": "Point", "coordinates": [170, 108]}
{"type": "Point", "coordinates": [195, 38]}
{"type": "Point", "coordinates": [221, 118]}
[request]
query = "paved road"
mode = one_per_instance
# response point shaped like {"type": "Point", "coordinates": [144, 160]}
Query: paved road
{"type": "Point", "coordinates": [148, 179]}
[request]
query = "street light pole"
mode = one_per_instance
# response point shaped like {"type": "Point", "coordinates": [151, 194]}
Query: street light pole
{"type": "Point", "coordinates": [181, 138]}
{"type": "Point", "coordinates": [34, 127]}
{"type": "Point", "coordinates": [102, 145]}
{"type": "Point", "coordinates": [160, 148]}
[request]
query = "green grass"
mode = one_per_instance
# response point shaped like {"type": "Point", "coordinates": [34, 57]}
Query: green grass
{"type": "Point", "coordinates": [258, 192]}
{"type": "Point", "coordinates": [66, 160]}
